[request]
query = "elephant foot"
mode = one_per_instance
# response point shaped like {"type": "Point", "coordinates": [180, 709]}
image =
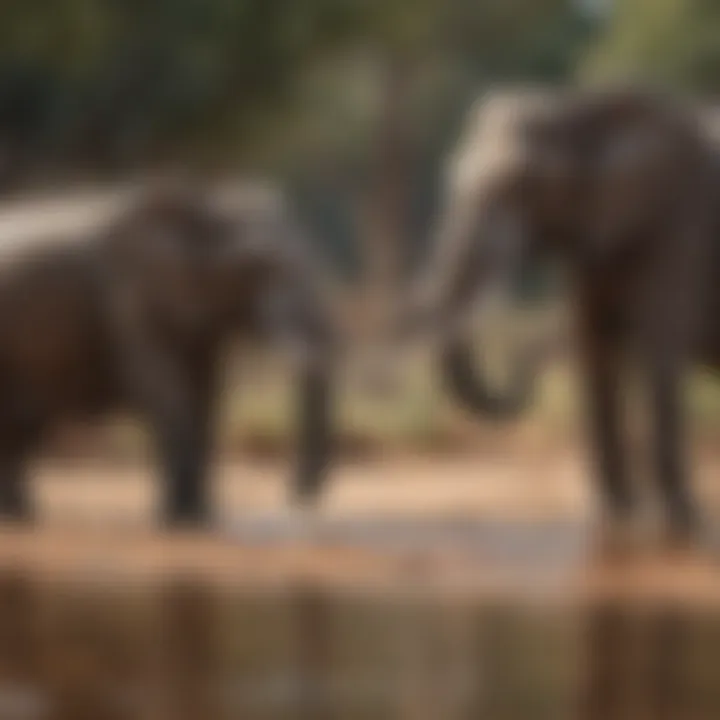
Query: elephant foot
{"type": "Point", "coordinates": [618, 539]}
{"type": "Point", "coordinates": [711, 546]}
{"type": "Point", "coordinates": [16, 508]}
{"type": "Point", "coordinates": [16, 520]}
{"type": "Point", "coordinates": [305, 496]}
{"type": "Point", "coordinates": [182, 518]}
{"type": "Point", "coordinates": [690, 541]}
{"type": "Point", "coordinates": [683, 530]}
{"type": "Point", "coordinates": [681, 538]}
{"type": "Point", "coordinates": [184, 526]}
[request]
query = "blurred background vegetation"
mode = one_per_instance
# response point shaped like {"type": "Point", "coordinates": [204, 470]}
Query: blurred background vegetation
{"type": "Point", "coordinates": [327, 95]}
{"type": "Point", "coordinates": [346, 101]}
{"type": "Point", "coordinates": [350, 104]}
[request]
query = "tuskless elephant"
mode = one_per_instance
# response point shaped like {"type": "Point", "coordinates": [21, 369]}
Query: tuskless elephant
{"type": "Point", "coordinates": [135, 317]}
{"type": "Point", "coordinates": [622, 186]}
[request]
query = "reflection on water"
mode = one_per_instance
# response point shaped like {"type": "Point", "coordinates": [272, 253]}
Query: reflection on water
{"type": "Point", "coordinates": [183, 650]}
{"type": "Point", "coordinates": [651, 664]}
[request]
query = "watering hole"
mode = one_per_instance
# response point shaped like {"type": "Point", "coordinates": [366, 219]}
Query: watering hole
{"type": "Point", "coordinates": [417, 591]}
{"type": "Point", "coordinates": [187, 649]}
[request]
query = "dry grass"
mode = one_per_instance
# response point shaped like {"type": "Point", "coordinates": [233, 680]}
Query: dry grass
{"type": "Point", "coordinates": [416, 417]}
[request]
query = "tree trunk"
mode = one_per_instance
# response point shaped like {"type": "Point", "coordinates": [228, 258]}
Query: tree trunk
{"type": "Point", "coordinates": [388, 199]}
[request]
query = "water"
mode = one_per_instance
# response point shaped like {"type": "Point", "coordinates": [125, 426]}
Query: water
{"type": "Point", "coordinates": [182, 649]}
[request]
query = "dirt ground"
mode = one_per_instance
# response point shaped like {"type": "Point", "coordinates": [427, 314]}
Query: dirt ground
{"type": "Point", "coordinates": [468, 525]}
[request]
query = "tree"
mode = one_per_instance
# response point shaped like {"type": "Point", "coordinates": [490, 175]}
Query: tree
{"type": "Point", "coordinates": [116, 83]}
{"type": "Point", "coordinates": [672, 43]}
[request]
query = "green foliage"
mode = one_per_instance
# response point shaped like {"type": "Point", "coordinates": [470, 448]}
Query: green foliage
{"type": "Point", "coordinates": [118, 82]}
{"type": "Point", "coordinates": [121, 81]}
{"type": "Point", "coordinates": [297, 88]}
{"type": "Point", "coordinates": [669, 42]}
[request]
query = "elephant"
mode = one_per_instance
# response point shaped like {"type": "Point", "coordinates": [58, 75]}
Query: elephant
{"type": "Point", "coordinates": [136, 316]}
{"type": "Point", "coordinates": [622, 186]}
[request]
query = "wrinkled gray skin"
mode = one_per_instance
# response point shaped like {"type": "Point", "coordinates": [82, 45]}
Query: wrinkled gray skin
{"type": "Point", "coordinates": [623, 186]}
{"type": "Point", "coordinates": [295, 316]}
{"type": "Point", "coordinates": [137, 318]}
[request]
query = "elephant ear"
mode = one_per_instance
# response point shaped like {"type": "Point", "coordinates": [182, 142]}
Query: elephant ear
{"type": "Point", "coordinates": [168, 222]}
{"type": "Point", "coordinates": [628, 173]}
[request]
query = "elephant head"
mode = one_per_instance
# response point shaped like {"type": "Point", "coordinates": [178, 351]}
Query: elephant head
{"type": "Point", "coordinates": [221, 262]}
{"type": "Point", "coordinates": [273, 254]}
{"type": "Point", "coordinates": [479, 243]}
{"type": "Point", "coordinates": [573, 173]}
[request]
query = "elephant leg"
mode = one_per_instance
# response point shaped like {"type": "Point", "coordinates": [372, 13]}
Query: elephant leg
{"type": "Point", "coordinates": [665, 375]}
{"type": "Point", "coordinates": [185, 445]}
{"type": "Point", "coordinates": [15, 502]}
{"type": "Point", "coordinates": [314, 433]}
{"type": "Point", "coordinates": [183, 461]}
{"type": "Point", "coordinates": [18, 435]}
{"type": "Point", "coordinates": [602, 370]}
{"type": "Point", "coordinates": [177, 401]}
{"type": "Point", "coordinates": [672, 303]}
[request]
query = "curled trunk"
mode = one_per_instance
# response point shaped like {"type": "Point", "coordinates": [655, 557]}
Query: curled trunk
{"type": "Point", "coordinates": [467, 385]}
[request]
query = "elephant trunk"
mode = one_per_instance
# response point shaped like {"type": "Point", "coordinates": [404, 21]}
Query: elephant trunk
{"type": "Point", "coordinates": [477, 253]}
{"type": "Point", "coordinates": [469, 388]}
